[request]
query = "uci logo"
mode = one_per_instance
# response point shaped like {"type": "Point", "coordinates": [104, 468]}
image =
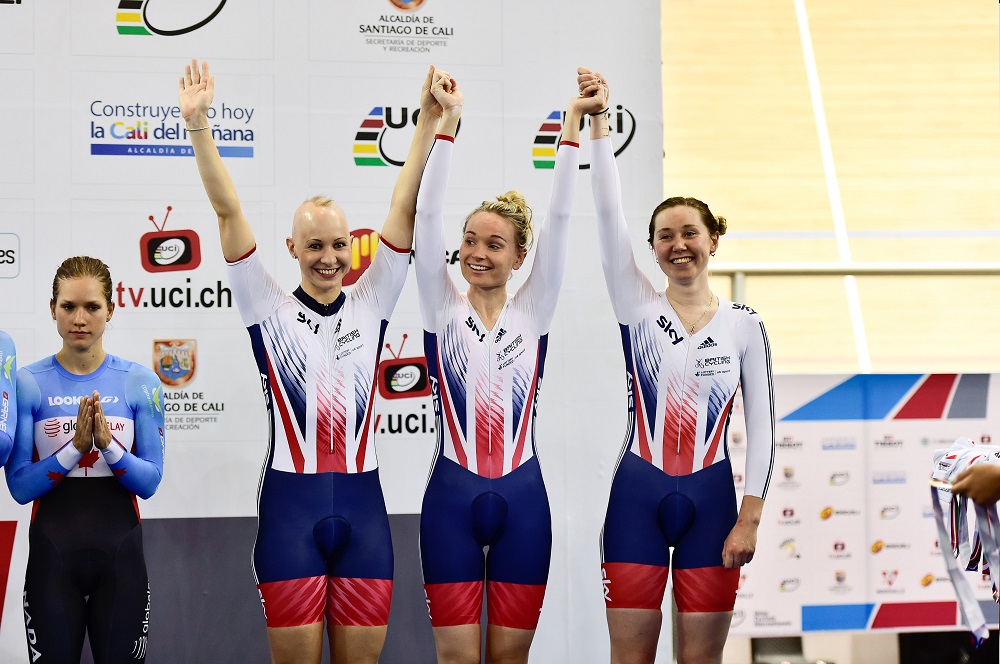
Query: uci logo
{"type": "Point", "coordinates": [133, 18]}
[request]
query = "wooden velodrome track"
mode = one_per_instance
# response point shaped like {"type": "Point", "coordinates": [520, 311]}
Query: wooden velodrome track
{"type": "Point", "coordinates": [911, 99]}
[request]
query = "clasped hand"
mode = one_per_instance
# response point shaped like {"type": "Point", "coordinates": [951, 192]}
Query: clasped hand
{"type": "Point", "coordinates": [91, 425]}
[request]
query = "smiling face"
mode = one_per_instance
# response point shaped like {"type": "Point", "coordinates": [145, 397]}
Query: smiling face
{"type": "Point", "coordinates": [321, 242]}
{"type": "Point", "coordinates": [489, 252]}
{"type": "Point", "coordinates": [81, 311]}
{"type": "Point", "coordinates": [682, 243]}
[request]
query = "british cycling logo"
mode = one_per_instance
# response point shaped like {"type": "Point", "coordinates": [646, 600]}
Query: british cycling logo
{"type": "Point", "coordinates": [175, 361]}
{"type": "Point", "coordinates": [132, 18]}
{"type": "Point", "coordinates": [543, 151]}
{"type": "Point", "coordinates": [10, 250]}
{"type": "Point", "coordinates": [373, 142]}
{"type": "Point", "coordinates": [152, 130]}
{"type": "Point", "coordinates": [169, 251]}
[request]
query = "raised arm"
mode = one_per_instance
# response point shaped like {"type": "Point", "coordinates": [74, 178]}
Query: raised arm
{"type": "Point", "coordinates": [398, 228]}
{"type": "Point", "coordinates": [553, 236]}
{"type": "Point", "coordinates": [197, 89]}
{"type": "Point", "coordinates": [432, 273]}
{"type": "Point", "coordinates": [626, 283]}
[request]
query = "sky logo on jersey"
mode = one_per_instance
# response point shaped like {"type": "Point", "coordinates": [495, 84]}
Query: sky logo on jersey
{"type": "Point", "coordinates": [175, 361]}
{"type": "Point", "coordinates": [132, 17]}
{"type": "Point", "coordinates": [900, 397]}
{"type": "Point", "coordinates": [169, 251]}
{"type": "Point", "coordinates": [543, 150]}
{"type": "Point", "coordinates": [364, 243]}
{"type": "Point", "coordinates": [403, 377]}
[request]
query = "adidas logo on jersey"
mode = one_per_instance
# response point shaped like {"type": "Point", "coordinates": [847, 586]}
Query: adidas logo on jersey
{"type": "Point", "coordinates": [707, 343]}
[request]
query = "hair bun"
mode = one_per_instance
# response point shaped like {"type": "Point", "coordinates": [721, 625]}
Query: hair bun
{"type": "Point", "coordinates": [515, 202]}
{"type": "Point", "coordinates": [722, 225]}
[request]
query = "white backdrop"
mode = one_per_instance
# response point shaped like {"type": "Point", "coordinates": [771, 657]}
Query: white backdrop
{"type": "Point", "coordinates": [90, 149]}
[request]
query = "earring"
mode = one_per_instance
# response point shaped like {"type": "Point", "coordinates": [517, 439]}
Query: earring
{"type": "Point", "coordinates": [712, 253]}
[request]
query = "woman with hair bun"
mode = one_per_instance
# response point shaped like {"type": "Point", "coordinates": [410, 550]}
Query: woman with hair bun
{"type": "Point", "coordinates": [686, 352]}
{"type": "Point", "coordinates": [89, 441]}
{"type": "Point", "coordinates": [485, 355]}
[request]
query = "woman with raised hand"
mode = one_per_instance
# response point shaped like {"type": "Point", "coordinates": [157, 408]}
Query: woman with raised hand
{"type": "Point", "coordinates": [89, 441]}
{"type": "Point", "coordinates": [485, 354]}
{"type": "Point", "coordinates": [323, 545]}
{"type": "Point", "coordinates": [686, 352]}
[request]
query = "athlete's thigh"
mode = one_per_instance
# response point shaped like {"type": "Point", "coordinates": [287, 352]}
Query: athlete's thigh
{"type": "Point", "coordinates": [522, 553]}
{"type": "Point", "coordinates": [290, 505]}
{"type": "Point", "coordinates": [631, 530]}
{"type": "Point", "coordinates": [508, 644]}
{"type": "Point", "coordinates": [118, 607]}
{"type": "Point", "coordinates": [634, 634]}
{"type": "Point", "coordinates": [291, 573]}
{"type": "Point", "coordinates": [701, 637]}
{"type": "Point", "coordinates": [713, 495]}
{"type": "Point", "coordinates": [635, 552]}
{"type": "Point", "coordinates": [301, 644]}
{"type": "Point", "coordinates": [352, 644]}
{"type": "Point", "coordinates": [451, 558]}
{"type": "Point", "coordinates": [701, 583]}
{"type": "Point", "coordinates": [367, 552]}
{"type": "Point", "coordinates": [449, 551]}
{"type": "Point", "coordinates": [360, 561]}
{"type": "Point", "coordinates": [54, 608]}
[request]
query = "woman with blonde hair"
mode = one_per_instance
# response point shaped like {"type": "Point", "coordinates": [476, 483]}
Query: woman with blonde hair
{"type": "Point", "coordinates": [485, 354]}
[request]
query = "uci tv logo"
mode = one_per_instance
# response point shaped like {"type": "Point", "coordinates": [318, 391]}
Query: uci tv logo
{"type": "Point", "coordinates": [403, 377]}
{"type": "Point", "coordinates": [169, 251]}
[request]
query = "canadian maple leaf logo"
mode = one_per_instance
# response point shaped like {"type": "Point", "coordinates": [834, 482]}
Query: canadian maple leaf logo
{"type": "Point", "coordinates": [89, 459]}
{"type": "Point", "coordinates": [55, 477]}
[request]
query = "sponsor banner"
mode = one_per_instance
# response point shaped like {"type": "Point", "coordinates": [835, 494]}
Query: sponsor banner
{"type": "Point", "coordinates": [389, 31]}
{"type": "Point", "coordinates": [144, 28]}
{"type": "Point", "coordinates": [17, 26]}
{"type": "Point", "coordinates": [849, 495]}
{"type": "Point", "coordinates": [128, 128]}
{"type": "Point", "coordinates": [375, 127]}
{"type": "Point", "coordinates": [17, 131]}
{"type": "Point", "coordinates": [156, 266]}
